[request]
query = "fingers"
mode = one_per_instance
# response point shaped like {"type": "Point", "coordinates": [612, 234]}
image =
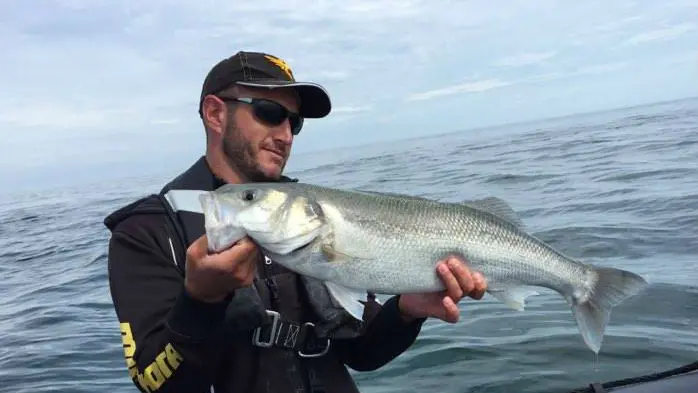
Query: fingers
{"type": "Point", "coordinates": [244, 253]}
{"type": "Point", "coordinates": [463, 275]}
{"type": "Point", "coordinates": [198, 249]}
{"type": "Point", "coordinates": [247, 269]}
{"type": "Point", "coordinates": [480, 286]}
{"type": "Point", "coordinates": [238, 262]}
{"type": "Point", "coordinates": [243, 249]}
{"type": "Point", "coordinates": [452, 313]}
{"type": "Point", "coordinates": [453, 288]}
{"type": "Point", "coordinates": [460, 281]}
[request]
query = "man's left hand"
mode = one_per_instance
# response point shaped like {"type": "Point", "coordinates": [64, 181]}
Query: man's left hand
{"type": "Point", "coordinates": [459, 282]}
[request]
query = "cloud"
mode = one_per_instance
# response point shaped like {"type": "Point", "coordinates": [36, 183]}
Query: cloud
{"type": "Point", "coordinates": [664, 34]}
{"type": "Point", "coordinates": [491, 84]}
{"type": "Point", "coordinates": [333, 75]}
{"type": "Point", "coordinates": [600, 68]}
{"type": "Point", "coordinates": [165, 121]}
{"type": "Point", "coordinates": [595, 69]}
{"type": "Point", "coordinates": [469, 87]}
{"type": "Point", "coordinates": [56, 117]}
{"type": "Point", "coordinates": [618, 25]}
{"type": "Point", "coordinates": [83, 68]}
{"type": "Point", "coordinates": [351, 109]}
{"type": "Point", "coordinates": [524, 59]}
{"type": "Point", "coordinates": [341, 114]}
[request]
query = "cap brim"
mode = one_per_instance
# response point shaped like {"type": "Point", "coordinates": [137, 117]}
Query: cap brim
{"type": "Point", "coordinates": [315, 101]}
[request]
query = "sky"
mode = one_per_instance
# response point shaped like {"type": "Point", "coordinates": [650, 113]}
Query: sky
{"type": "Point", "coordinates": [93, 87]}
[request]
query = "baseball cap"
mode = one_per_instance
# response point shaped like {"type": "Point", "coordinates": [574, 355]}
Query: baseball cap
{"type": "Point", "coordinates": [258, 69]}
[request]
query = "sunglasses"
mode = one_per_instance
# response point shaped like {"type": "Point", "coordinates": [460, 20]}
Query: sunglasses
{"type": "Point", "coordinates": [271, 112]}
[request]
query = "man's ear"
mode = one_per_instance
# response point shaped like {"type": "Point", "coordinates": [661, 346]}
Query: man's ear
{"type": "Point", "coordinates": [213, 113]}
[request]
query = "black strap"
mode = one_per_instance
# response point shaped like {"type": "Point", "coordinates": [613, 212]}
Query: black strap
{"type": "Point", "coordinates": [601, 387]}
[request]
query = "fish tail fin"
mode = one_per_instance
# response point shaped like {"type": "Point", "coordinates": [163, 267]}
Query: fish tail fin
{"type": "Point", "coordinates": [593, 310]}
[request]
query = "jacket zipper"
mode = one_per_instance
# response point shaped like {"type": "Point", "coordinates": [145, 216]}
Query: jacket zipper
{"type": "Point", "coordinates": [271, 284]}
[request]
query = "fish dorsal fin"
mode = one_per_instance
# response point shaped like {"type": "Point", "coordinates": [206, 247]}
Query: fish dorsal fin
{"type": "Point", "coordinates": [390, 194]}
{"type": "Point", "coordinates": [497, 207]}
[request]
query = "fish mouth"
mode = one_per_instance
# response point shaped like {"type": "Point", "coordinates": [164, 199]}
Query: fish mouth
{"type": "Point", "coordinates": [287, 245]}
{"type": "Point", "coordinates": [284, 247]}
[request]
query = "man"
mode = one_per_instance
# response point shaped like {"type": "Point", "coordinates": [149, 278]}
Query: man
{"type": "Point", "coordinates": [236, 321]}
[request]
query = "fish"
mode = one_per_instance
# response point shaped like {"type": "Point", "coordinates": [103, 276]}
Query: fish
{"type": "Point", "coordinates": [358, 241]}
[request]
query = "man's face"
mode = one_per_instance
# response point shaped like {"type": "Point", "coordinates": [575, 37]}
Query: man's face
{"type": "Point", "coordinates": [257, 150]}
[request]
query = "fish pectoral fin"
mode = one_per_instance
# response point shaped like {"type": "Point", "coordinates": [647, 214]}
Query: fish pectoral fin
{"type": "Point", "coordinates": [497, 207]}
{"type": "Point", "coordinates": [513, 296]}
{"type": "Point", "coordinates": [347, 298]}
{"type": "Point", "coordinates": [334, 255]}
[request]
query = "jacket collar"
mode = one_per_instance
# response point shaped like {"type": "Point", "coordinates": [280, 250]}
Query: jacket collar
{"type": "Point", "coordinates": [200, 177]}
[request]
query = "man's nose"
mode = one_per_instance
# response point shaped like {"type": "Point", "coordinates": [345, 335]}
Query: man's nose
{"type": "Point", "coordinates": [283, 133]}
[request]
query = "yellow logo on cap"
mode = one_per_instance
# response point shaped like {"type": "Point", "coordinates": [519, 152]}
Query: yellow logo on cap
{"type": "Point", "coordinates": [281, 64]}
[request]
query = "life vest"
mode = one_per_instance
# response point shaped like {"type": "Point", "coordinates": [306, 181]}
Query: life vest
{"type": "Point", "coordinates": [282, 326]}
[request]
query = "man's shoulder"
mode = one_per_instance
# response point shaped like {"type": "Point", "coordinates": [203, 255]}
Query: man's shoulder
{"type": "Point", "coordinates": [141, 212]}
{"type": "Point", "coordinates": [141, 225]}
{"type": "Point", "coordinates": [147, 208]}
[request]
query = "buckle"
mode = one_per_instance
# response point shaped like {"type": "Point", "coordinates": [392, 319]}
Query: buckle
{"type": "Point", "coordinates": [275, 316]}
{"type": "Point", "coordinates": [323, 352]}
{"type": "Point", "coordinates": [290, 336]}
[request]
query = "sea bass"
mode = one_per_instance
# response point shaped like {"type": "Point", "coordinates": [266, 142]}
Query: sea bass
{"type": "Point", "coordinates": [359, 241]}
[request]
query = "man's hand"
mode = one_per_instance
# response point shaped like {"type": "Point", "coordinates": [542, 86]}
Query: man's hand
{"type": "Point", "coordinates": [459, 282]}
{"type": "Point", "coordinates": [211, 277]}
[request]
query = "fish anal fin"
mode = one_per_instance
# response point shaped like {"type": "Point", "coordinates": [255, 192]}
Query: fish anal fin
{"type": "Point", "coordinates": [513, 296]}
{"type": "Point", "coordinates": [498, 207]}
{"type": "Point", "coordinates": [347, 298]}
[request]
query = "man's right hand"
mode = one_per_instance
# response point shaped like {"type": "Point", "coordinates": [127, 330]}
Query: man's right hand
{"type": "Point", "coordinates": [211, 277]}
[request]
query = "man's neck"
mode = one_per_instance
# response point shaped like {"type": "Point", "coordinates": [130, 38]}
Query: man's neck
{"type": "Point", "coordinates": [221, 170]}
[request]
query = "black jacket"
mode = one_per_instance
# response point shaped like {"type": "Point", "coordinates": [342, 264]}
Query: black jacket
{"type": "Point", "coordinates": [174, 343]}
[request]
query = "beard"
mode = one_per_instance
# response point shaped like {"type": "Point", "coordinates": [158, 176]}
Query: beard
{"type": "Point", "coordinates": [240, 155]}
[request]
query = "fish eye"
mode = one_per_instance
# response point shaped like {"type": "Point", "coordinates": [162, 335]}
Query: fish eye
{"type": "Point", "coordinates": [248, 195]}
